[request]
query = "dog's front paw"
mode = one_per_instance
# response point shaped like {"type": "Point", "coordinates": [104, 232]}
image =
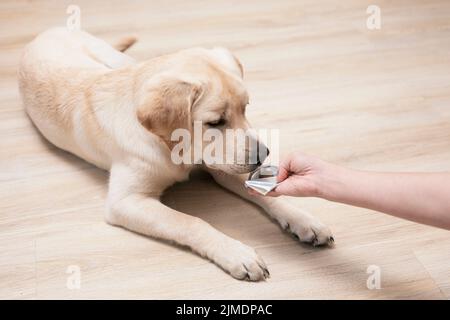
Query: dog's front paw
{"type": "Point", "coordinates": [241, 261]}
{"type": "Point", "coordinates": [301, 224]}
{"type": "Point", "coordinates": [309, 230]}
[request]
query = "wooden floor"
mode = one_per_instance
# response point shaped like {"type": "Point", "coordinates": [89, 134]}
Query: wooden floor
{"type": "Point", "coordinates": [369, 99]}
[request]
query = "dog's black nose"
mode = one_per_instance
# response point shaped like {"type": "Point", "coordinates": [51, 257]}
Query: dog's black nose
{"type": "Point", "coordinates": [263, 153]}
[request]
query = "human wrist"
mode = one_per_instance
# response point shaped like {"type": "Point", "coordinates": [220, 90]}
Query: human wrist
{"type": "Point", "coordinates": [333, 182]}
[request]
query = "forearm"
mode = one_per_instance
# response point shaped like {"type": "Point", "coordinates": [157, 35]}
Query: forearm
{"type": "Point", "coordinates": [420, 197]}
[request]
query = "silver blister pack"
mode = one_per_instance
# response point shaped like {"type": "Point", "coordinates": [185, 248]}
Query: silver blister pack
{"type": "Point", "coordinates": [263, 180]}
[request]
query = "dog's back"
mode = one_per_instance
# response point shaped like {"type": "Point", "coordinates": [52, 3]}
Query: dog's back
{"type": "Point", "coordinates": [56, 70]}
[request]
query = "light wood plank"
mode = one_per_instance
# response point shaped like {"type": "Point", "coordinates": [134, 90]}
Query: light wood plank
{"type": "Point", "coordinates": [368, 99]}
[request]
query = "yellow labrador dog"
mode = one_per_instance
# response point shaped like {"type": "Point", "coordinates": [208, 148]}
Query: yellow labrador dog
{"type": "Point", "coordinates": [94, 101]}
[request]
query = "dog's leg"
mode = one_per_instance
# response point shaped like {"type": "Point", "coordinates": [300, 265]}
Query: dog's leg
{"type": "Point", "coordinates": [132, 209]}
{"type": "Point", "coordinates": [300, 223]}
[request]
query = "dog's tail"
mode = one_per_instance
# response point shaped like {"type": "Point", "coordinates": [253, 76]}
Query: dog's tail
{"type": "Point", "coordinates": [124, 43]}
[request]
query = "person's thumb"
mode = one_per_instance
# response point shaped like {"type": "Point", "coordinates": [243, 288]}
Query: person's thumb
{"type": "Point", "coordinates": [283, 188]}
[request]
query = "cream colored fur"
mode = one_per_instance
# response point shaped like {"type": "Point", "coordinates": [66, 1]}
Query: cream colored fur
{"type": "Point", "coordinates": [94, 101]}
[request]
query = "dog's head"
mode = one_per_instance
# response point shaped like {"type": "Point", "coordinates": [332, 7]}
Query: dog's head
{"type": "Point", "coordinates": [200, 87]}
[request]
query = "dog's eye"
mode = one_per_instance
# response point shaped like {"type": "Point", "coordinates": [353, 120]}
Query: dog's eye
{"type": "Point", "coordinates": [217, 123]}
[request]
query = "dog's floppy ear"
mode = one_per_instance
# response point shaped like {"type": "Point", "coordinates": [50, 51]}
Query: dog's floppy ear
{"type": "Point", "coordinates": [167, 105]}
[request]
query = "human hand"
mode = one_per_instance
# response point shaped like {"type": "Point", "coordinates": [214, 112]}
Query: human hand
{"type": "Point", "coordinates": [301, 175]}
{"type": "Point", "coordinates": [394, 193]}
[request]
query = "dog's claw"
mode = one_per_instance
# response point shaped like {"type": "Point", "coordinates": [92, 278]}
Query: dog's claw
{"type": "Point", "coordinates": [247, 275]}
{"type": "Point", "coordinates": [265, 271]}
{"type": "Point", "coordinates": [330, 241]}
{"type": "Point", "coordinates": [314, 240]}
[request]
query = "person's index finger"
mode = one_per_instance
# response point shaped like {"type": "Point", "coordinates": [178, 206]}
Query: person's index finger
{"type": "Point", "coordinates": [284, 169]}
{"type": "Point", "coordinates": [283, 174]}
